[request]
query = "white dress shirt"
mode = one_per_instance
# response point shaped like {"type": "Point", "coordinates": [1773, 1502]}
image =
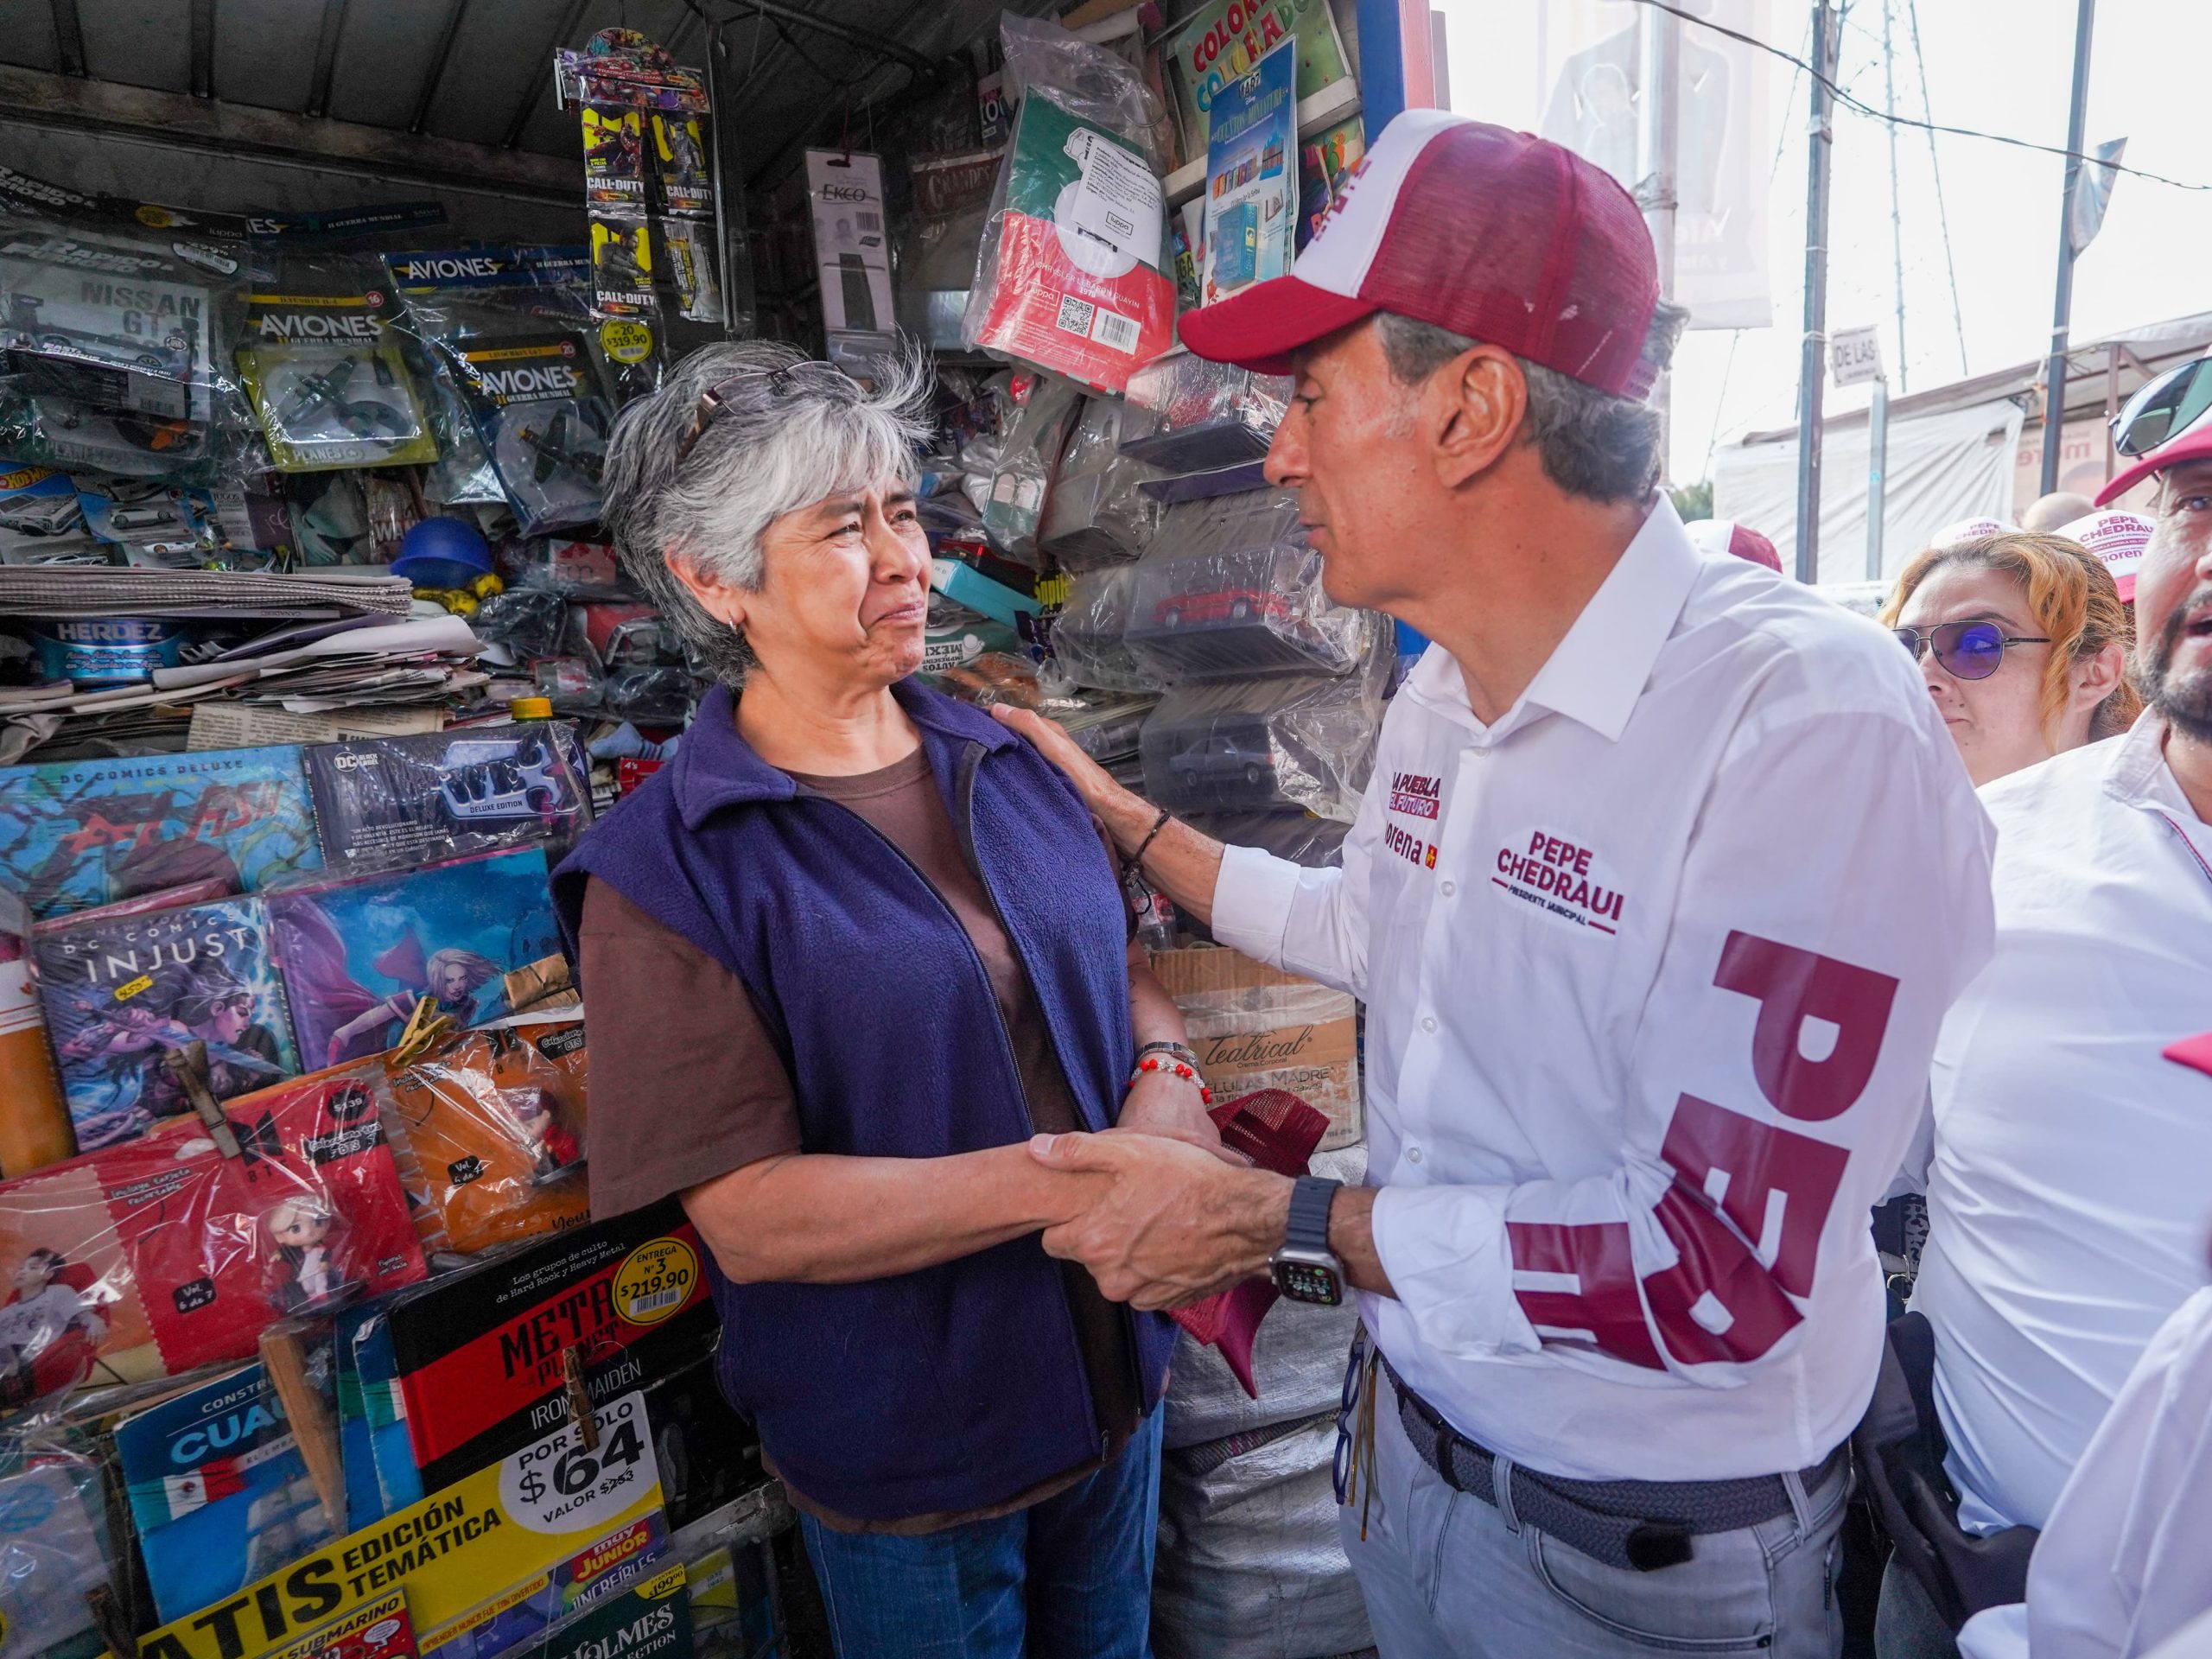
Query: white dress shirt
{"type": "Point", "coordinates": [2073, 1165]}
{"type": "Point", "coordinates": [1627, 1120]}
{"type": "Point", "coordinates": [2124, 1564]}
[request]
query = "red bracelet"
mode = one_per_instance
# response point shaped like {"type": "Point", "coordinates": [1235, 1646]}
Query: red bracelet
{"type": "Point", "coordinates": [1174, 1069]}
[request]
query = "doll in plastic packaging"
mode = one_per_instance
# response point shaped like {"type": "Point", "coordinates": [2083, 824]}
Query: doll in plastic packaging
{"type": "Point", "coordinates": [301, 1233]}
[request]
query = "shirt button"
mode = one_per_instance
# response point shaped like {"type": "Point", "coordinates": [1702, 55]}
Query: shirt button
{"type": "Point", "coordinates": [1450, 887]}
{"type": "Point", "coordinates": [1428, 1023]}
{"type": "Point", "coordinates": [1413, 1154]}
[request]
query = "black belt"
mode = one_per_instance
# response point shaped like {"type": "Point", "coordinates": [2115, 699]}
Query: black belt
{"type": "Point", "coordinates": [1643, 1524]}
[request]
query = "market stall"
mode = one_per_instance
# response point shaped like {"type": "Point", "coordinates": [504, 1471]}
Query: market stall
{"type": "Point", "coordinates": [315, 659]}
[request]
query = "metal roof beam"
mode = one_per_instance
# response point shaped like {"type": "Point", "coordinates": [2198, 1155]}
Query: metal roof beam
{"type": "Point", "coordinates": [203, 48]}
{"type": "Point", "coordinates": [527, 106]}
{"type": "Point", "coordinates": [439, 59]}
{"type": "Point", "coordinates": [32, 98]}
{"type": "Point", "coordinates": [68, 37]}
{"type": "Point", "coordinates": [859, 39]}
{"type": "Point", "coordinates": [325, 57]}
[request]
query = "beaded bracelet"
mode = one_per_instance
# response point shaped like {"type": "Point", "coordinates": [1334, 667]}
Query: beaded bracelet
{"type": "Point", "coordinates": [1173, 1069]}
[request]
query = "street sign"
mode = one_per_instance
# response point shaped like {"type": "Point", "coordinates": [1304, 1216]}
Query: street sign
{"type": "Point", "coordinates": [1855, 355]}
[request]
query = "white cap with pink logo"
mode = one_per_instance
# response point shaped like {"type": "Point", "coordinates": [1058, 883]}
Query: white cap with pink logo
{"type": "Point", "coordinates": [2119, 539]}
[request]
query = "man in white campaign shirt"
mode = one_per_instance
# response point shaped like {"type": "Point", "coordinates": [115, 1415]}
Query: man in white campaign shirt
{"type": "Point", "coordinates": [2068, 1189]}
{"type": "Point", "coordinates": [1665, 874]}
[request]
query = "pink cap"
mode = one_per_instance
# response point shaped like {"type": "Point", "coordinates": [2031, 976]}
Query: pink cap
{"type": "Point", "coordinates": [1495, 235]}
{"type": "Point", "coordinates": [2119, 539]}
{"type": "Point", "coordinates": [1726, 536]}
{"type": "Point", "coordinates": [2192, 442]}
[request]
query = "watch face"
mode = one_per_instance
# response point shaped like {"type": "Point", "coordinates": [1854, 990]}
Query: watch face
{"type": "Point", "coordinates": [1309, 1282]}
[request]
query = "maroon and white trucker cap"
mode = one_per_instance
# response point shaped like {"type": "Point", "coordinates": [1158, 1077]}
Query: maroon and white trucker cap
{"type": "Point", "coordinates": [1495, 235]}
{"type": "Point", "coordinates": [1726, 537]}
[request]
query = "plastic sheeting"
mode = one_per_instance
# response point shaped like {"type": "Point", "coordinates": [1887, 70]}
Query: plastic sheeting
{"type": "Point", "coordinates": [1941, 467]}
{"type": "Point", "coordinates": [1248, 1565]}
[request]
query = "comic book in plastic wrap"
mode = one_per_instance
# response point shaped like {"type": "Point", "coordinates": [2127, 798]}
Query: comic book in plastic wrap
{"type": "Point", "coordinates": [650, 1618]}
{"type": "Point", "coordinates": [121, 994]}
{"type": "Point", "coordinates": [53, 1549]}
{"type": "Point", "coordinates": [397, 803]}
{"type": "Point", "coordinates": [498, 1557]}
{"type": "Point", "coordinates": [495, 1121]}
{"type": "Point", "coordinates": [480, 1353]}
{"type": "Point", "coordinates": [378, 1629]}
{"type": "Point", "coordinates": [172, 1251]}
{"type": "Point", "coordinates": [218, 1490]}
{"type": "Point", "coordinates": [357, 955]}
{"type": "Point", "coordinates": [74, 834]}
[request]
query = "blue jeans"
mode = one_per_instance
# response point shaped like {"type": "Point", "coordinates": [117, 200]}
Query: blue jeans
{"type": "Point", "coordinates": [1070, 1577]}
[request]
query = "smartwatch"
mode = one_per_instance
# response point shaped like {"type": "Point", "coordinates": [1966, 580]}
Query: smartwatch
{"type": "Point", "coordinates": [1305, 1269]}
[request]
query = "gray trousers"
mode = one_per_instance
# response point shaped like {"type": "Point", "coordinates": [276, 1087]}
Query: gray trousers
{"type": "Point", "coordinates": [1446, 1573]}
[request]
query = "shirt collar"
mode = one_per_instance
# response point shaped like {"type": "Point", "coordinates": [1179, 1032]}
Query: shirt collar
{"type": "Point", "coordinates": [1599, 670]}
{"type": "Point", "coordinates": [2137, 772]}
{"type": "Point", "coordinates": [715, 767]}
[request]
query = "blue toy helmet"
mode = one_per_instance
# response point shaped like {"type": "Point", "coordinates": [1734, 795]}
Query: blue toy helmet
{"type": "Point", "coordinates": [443, 552]}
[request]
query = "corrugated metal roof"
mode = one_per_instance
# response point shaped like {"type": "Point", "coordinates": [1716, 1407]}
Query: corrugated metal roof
{"type": "Point", "coordinates": [478, 71]}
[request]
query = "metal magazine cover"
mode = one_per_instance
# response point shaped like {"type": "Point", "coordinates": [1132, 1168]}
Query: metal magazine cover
{"type": "Point", "coordinates": [356, 955]}
{"type": "Point", "coordinates": [123, 993]}
{"type": "Point", "coordinates": [77, 833]}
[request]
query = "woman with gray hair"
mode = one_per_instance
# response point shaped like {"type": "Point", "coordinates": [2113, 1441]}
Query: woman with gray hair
{"type": "Point", "coordinates": [843, 955]}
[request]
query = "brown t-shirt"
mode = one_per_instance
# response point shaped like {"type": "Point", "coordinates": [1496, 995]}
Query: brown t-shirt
{"type": "Point", "coordinates": [668, 1024]}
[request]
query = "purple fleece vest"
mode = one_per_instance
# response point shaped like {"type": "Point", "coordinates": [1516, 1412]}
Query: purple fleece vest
{"type": "Point", "coordinates": [958, 1386]}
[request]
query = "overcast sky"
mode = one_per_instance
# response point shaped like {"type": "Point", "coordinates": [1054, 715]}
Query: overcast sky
{"type": "Point", "coordinates": [2001, 65]}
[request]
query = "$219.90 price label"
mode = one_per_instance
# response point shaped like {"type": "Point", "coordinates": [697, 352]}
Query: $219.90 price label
{"type": "Point", "coordinates": [557, 1485]}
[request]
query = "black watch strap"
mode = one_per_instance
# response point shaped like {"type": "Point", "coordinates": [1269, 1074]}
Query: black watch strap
{"type": "Point", "coordinates": [1309, 1213]}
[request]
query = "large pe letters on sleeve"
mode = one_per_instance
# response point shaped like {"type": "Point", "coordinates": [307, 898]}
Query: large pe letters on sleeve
{"type": "Point", "coordinates": [1654, 965]}
{"type": "Point", "coordinates": [465, 1555]}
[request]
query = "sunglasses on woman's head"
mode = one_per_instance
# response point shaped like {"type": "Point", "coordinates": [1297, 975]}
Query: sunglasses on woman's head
{"type": "Point", "coordinates": [714, 398]}
{"type": "Point", "coordinates": [1967, 651]}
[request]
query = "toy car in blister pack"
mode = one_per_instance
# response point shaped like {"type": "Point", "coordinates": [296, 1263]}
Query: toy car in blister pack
{"type": "Point", "coordinates": [1187, 415]}
{"type": "Point", "coordinates": [150, 1257]}
{"type": "Point", "coordinates": [1097, 513]}
{"type": "Point", "coordinates": [1087, 636]}
{"type": "Point", "coordinates": [1290, 742]}
{"type": "Point", "coordinates": [329, 388]}
{"type": "Point", "coordinates": [396, 802]}
{"type": "Point", "coordinates": [57, 431]}
{"type": "Point", "coordinates": [495, 1119]}
{"type": "Point", "coordinates": [1230, 587]}
{"type": "Point", "coordinates": [538, 410]}
{"type": "Point", "coordinates": [122, 323]}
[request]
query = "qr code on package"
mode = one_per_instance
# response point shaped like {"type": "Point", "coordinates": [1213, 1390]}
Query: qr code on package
{"type": "Point", "coordinates": [1076, 315]}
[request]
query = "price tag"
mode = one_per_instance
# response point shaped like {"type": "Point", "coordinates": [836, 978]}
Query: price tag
{"type": "Point", "coordinates": [1855, 355]}
{"type": "Point", "coordinates": [557, 1486]}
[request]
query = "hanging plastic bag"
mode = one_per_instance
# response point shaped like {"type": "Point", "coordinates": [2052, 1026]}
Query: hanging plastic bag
{"type": "Point", "coordinates": [1073, 274]}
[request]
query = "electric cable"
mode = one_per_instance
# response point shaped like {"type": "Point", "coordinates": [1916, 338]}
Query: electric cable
{"type": "Point", "coordinates": [1864, 108]}
{"type": "Point", "coordinates": [1936, 166]}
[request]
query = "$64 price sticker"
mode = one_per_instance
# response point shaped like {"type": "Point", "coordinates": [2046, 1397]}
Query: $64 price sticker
{"type": "Point", "coordinates": [557, 1486]}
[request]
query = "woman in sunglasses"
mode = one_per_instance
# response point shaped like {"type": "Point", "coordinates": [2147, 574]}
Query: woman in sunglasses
{"type": "Point", "coordinates": [846, 952]}
{"type": "Point", "coordinates": [2024, 641]}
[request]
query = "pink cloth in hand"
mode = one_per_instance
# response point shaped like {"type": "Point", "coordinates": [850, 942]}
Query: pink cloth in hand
{"type": "Point", "coordinates": [1277, 1131]}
